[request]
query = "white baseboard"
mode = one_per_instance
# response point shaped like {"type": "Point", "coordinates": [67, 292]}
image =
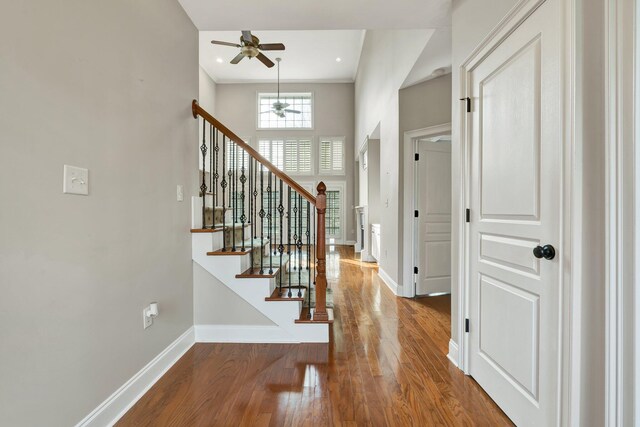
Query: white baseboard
{"type": "Point", "coordinates": [453, 352]}
{"type": "Point", "coordinates": [242, 334]}
{"type": "Point", "coordinates": [391, 284]}
{"type": "Point", "coordinates": [116, 405]}
{"type": "Point", "coordinates": [350, 242]}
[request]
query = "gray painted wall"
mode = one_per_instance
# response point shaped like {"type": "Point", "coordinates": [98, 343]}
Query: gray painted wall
{"type": "Point", "coordinates": [422, 105]}
{"type": "Point", "coordinates": [333, 116]}
{"type": "Point", "coordinates": [105, 86]}
{"type": "Point", "coordinates": [207, 91]}
{"type": "Point", "coordinates": [387, 58]}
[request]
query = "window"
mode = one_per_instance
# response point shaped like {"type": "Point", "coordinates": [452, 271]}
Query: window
{"type": "Point", "coordinates": [272, 150]}
{"type": "Point", "coordinates": [302, 102]}
{"type": "Point", "coordinates": [331, 155]}
{"type": "Point", "coordinates": [291, 155]}
{"type": "Point", "coordinates": [298, 156]}
{"type": "Point", "coordinates": [333, 215]}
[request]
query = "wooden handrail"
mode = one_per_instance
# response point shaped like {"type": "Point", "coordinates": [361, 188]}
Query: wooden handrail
{"type": "Point", "coordinates": [199, 111]}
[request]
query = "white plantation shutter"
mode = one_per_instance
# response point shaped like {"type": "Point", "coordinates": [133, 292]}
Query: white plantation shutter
{"type": "Point", "coordinates": [277, 153]}
{"type": "Point", "coordinates": [291, 154]}
{"type": "Point", "coordinates": [272, 150]}
{"type": "Point", "coordinates": [332, 156]}
{"type": "Point", "coordinates": [304, 156]}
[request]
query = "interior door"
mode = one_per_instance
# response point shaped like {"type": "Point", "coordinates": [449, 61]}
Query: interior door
{"type": "Point", "coordinates": [516, 149]}
{"type": "Point", "coordinates": [434, 219]}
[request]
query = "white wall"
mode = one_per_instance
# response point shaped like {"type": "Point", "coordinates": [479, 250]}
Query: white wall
{"type": "Point", "coordinates": [333, 113]}
{"type": "Point", "coordinates": [105, 86]}
{"type": "Point", "coordinates": [207, 91]}
{"type": "Point", "coordinates": [387, 58]}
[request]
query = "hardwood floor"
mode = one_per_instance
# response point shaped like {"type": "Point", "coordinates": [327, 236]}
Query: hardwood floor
{"type": "Point", "coordinates": [385, 366]}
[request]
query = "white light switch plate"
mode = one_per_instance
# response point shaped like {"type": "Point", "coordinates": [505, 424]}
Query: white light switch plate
{"type": "Point", "coordinates": [180, 193]}
{"type": "Point", "coordinates": [76, 180]}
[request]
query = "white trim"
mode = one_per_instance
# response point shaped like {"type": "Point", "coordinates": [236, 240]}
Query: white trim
{"type": "Point", "coordinates": [571, 195]}
{"type": "Point", "coordinates": [409, 203]}
{"type": "Point", "coordinates": [269, 334]}
{"type": "Point", "coordinates": [391, 284]}
{"type": "Point", "coordinates": [350, 242]}
{"type": "Point", "coordinates": [453, 352]}
{"type": "Point", "coordinates": [620, 57]}
{"type": "Point", "coordinates": [116, 405]}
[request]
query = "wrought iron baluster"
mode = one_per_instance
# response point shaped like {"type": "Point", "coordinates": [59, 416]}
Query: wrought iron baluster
{"type": "Point", "coordinates": [211, 130]}
{"type": "Point", "coordinates": [223, 185]}
{"type": "Point", "coordinates": [299, 245]}
{"type": "Point", "coordinates": [233, 172]}
{"type": "Point", "coordinates": [313, 268]}
{"type": "Point", "coordinates": [308, 235]}
{"type": "Point", "coordinates": [203, 186]}
{"type": "Point", "coordinates": [289, 237]}
{"type": "Point", "coordinates": [243, 217]}
{"type": "Point", "coordinates": [270, 221]}
{"type": "Point", "coordinates": [216, 152]}
{"type": "Point", "coordinates": [262, 213]}
{"type": "Point", "coordinates": [281, 246]}
{"type": "Point", "coordinates": [254, 232]}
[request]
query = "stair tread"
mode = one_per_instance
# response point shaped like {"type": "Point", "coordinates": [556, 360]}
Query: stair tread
{"type": "Point", "coordinates": [206, 230]}
{"type": "Point", "coordinates": [294, 295]}
{"type": "Point", "coordinates": [304, 316]}
{"type": "Point", "coordinates": [255, 273]}
{"type": "Point", "coordinates": [229, 252]}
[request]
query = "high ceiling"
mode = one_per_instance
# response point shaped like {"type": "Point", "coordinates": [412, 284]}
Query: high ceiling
{"type": "Point", "coordinates": [310, 56]}
{"type": "Point", "coordinates": [315, 34]}
{"type": "Point", "coordinates": [218, 15]}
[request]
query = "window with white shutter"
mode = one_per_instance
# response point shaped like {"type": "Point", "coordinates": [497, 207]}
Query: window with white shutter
{"type": "Point", "coordinates": [332, 156]}
{"type": "Point", "coordinates": [298, 156]}
{"type": "Point", "coordinates": [272, 150]}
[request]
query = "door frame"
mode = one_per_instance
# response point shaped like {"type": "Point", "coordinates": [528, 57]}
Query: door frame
{"type": "Point", "coordinates": [409, 241]}
{"type": "Point", "coordinates": [571, 218]}
{"type": "Point", "coordinates": [622, 97]}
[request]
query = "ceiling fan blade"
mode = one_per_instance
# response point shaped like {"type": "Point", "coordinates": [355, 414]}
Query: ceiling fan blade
{"type": "Point", "coordinates": [271, 46]}
{"type": "Point", "coordinates": [246, 36]}
{"type": "Point", "coordinates": [293, 111]}
{"type": "Point", "coordinates": [225, 43]}
{"type": "Point", "coordinates": [266, 61]}
{"type": "Point", "coordinates": [238, 58]}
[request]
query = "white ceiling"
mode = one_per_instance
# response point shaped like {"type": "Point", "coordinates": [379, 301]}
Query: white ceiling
{"type": "Point", "coordinates": [310, 56]}
{"type": "Point", "coordinates": [315, 33]}
{"type": "Point", "coordinates": [317, 15]}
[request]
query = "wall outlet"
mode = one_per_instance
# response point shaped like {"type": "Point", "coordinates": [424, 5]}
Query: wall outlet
{"type": "Point", "coordinates": [75, 180]}
{"type": "Point", "coordinates": [180, 193]}
{"type": "Point", "coordinates": [146, 320]}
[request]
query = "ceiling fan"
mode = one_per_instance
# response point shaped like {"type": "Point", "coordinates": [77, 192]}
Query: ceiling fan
{"type": "Point", "coordinates": [280, 108]}
{"type": "Point", "coordinates": [250, 46]}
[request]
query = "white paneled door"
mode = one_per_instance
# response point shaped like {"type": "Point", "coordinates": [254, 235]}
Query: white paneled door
{"type": "Point", "coordinates": [434, 218]}
{"type": "Point", "coordinates": [516, 179]}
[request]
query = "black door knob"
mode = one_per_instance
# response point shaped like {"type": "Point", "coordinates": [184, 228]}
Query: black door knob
{"type": "Point", "coordinates": [546, 252]}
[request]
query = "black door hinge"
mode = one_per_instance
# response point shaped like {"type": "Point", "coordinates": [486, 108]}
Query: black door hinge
{"type": "Point", "coordinates": [415, 214]}
{"type": "Point", "coordinates": [467, 215]}
{"type": "Point", "coordinates": [415, 270]}
{"type": "Point", "coordinates": [466, 325]}
{"type": "Point", "coordinates": [468, 100]}
{"type": "Point", "coordinates": [416, 156]}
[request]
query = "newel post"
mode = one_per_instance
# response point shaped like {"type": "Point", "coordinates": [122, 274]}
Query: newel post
{"type": "Point", "coordinates": [320, 312]}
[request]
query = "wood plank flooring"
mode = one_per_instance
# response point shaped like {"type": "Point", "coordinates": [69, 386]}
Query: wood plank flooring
{"type": "Point", "coordinates": [386, 365]}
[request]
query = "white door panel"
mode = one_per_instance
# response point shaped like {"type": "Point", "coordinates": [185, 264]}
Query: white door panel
{"type": "Point", "coordinates": [516, 148]}
{"type": "Point", "coordinates": [434, 229]}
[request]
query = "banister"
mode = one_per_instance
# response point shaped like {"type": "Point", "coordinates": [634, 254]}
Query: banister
{"type": "Point", "coordinates": [197, 110]}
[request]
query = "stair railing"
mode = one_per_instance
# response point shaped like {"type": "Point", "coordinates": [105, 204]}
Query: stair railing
{"type": "Point", "coordinates": [235, 186]}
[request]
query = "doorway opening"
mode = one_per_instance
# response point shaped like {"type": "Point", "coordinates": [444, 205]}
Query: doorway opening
{"type": "Point", "coordinates": [432, 216]}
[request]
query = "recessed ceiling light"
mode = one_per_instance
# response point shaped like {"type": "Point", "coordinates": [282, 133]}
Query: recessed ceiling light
{"type": "Point", "coordinates": [219, 60]}
{"type": "Point", "coordinates": [338, 59]}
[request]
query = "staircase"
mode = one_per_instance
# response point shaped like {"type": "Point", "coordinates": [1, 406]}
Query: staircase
{"type": "Point", "coordinates": [261, 234]}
